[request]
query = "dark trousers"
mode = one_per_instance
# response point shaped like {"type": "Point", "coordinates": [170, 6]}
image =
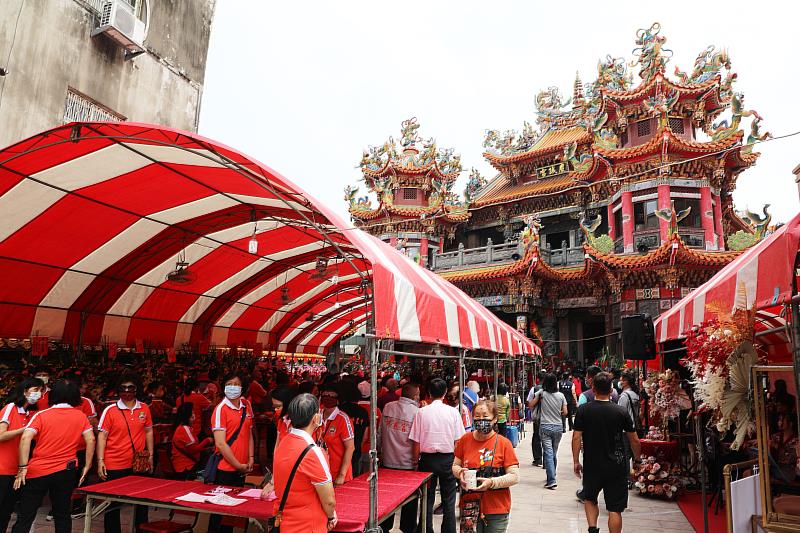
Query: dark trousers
{"type": "Point", "coordinates": [59, 486]}
{"type": "Point", "coordinates": [501, 428]}
{"type": "Point", "coordinates": [536, 442]}
{"type": "Point", "coordinates": [567, 420]}
{"type": "Point", "coordinates": [441, 465]}
{"type": "Point", "coordinates": [8, 499]}
{"type": "Point", "coordinates": [111, 517]}
{"type": "Point", "coordinates": [231, 479]}
{"type": "Point", "coordinates": [408, 519]}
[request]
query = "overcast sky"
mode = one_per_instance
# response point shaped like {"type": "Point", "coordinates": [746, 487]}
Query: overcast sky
{"type": "Point", "coordinates": [304, 87]}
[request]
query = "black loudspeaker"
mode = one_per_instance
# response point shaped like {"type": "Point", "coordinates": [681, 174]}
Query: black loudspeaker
{"type": "Point", "coordinates": [638, 338]}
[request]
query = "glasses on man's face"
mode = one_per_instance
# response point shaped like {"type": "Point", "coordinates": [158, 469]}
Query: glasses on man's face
{"type": "Point", "coordinates": [127, 388]}
{"type": "Point", "coordinates": [326, 395]}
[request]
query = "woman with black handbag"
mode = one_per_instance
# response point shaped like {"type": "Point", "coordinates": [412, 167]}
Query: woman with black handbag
{"type": "Point", "coordinates": [302, 477]}
{"type": "Point", "coordinates": [125, 444]}
{"type": "Point", "coordinates": [489, 459]}
{"type": "Point", "coordinates": [231, 422]}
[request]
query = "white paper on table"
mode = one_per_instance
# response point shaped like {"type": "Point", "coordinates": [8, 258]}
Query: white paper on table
{"type": "Point", "coordinates": [745, 501]}
{"type": "Point", "coordinates": [224, 499]}
{"type": "Point", "coordinates": [192, 497]}
{"type": "Point", "coordinates": [252, 493]}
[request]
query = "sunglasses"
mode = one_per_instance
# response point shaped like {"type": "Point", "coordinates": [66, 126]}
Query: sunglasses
{"type": "Point", "coordinates": [327, 395]}
{"type": "Point", "coordinates": [127, 388]}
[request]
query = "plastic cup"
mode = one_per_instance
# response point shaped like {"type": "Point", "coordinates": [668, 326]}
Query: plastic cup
{"type": "Point", "coordinates": [471, 479]}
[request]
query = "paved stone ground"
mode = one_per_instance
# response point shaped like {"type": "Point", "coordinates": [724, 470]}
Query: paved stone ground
{"type": "Point", "coordinates": [534, 508]}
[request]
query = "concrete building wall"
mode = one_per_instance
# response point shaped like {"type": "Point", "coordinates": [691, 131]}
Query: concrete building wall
{"type": "Point", "coordinates": [47, 48]}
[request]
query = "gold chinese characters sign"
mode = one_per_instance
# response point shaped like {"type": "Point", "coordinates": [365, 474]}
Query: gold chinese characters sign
{"type": "Point", "coordinates": [562, 167]}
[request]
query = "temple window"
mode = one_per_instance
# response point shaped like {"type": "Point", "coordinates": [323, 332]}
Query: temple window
{"type": "Point", "coordinates": [644, 215]}
{"type": "Point", "coordinates": [409, 194]}
{"type": "Point", "coordinates": [643, 128]}
{"type": "Point", "coordinates": [676, 125]}
{"type": "Point", "coordinates": [694, 220]}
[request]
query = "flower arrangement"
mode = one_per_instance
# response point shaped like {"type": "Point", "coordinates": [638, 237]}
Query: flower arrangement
{"type": "Point", "coordinates": [655, 433]}
{"type": "Point", "coordinates": [663, 389]}
{"type": "Point", "coordinates": [720, 353]}
{"type": "Point", "coordinates": [658, 480]}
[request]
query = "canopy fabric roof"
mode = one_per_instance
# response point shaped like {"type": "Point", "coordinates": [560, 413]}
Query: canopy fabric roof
{"type": "Point", "coordinates": [97, 216]}
{"type": "Point", "coordinates": [761, 279]}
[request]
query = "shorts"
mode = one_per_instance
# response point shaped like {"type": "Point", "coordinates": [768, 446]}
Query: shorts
{"type": "Point", "coordinates": [614, 484]}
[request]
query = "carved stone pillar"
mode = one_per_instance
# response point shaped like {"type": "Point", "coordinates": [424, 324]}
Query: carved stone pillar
{"type": "Point", "coordinates": [612, 229]}
{"type": "Point", "coordinates": [627, 221]}
{"type": "Point", "coordinates": [663, 203]}
{"type": "Point", "coordinates": [707, 218]}
{"type": "Point", "coordinates": [718, 222]}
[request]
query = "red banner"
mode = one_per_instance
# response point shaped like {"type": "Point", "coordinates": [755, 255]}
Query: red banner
{"type": "Point", "coordinates": [112, 350]}
{"type": "Point", "coordinates": [39, 346]}
{"type": "Point", "coordinates": [139, 346]}
{"type": "Point", "coordinates": [203, 348]}
{"type": "Point", "coordinates": [258, 350]}
{"type": "Point", "coordinates": [171, 355]}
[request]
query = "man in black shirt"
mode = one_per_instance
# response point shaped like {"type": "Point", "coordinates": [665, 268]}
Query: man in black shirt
{"type": "Point", "coordinates": [600, 427]}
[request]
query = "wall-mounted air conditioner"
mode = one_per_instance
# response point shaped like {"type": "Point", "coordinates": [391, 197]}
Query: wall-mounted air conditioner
{"type": "Point", "coordinates": [119, 23]}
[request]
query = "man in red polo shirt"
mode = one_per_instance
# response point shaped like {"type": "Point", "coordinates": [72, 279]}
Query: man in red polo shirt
{"type": "Point", "coordinates": [337, 436]}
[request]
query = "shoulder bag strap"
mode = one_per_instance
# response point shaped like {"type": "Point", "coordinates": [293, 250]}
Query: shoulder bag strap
{"type": "Point", "coordinates": [291, 477]}
{"type": "Point", "coordinates": [241, 423]}
{"type": "Point", "coordinates": [130, 435]}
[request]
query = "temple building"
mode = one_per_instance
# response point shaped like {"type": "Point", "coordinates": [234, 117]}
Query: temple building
{"type": "Point", "coordinates": [618, 201]}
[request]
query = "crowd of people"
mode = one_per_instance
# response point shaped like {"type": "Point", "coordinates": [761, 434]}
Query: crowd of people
{"type": "Point", "coordinates": [320, 419]}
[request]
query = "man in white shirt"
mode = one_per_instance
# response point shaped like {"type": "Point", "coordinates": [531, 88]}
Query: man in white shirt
{"type": "Point", "coordinates": [397, 450]}
{"type": "Point", "coordinates": [435, 430]}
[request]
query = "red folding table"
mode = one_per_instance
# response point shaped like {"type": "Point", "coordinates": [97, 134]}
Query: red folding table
{"type": "Point", "coordinates": [395, 489]}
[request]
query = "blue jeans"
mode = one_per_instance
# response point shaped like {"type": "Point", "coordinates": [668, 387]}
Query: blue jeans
{"type": "Point", "coordinates": [551, 436]}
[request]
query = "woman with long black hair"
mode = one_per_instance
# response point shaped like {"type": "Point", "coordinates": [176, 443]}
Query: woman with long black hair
{"type": "Point", "coordinates": [52, 467]}
{"type": "Point", "coordinates": [554, 407]}
{"type": "Point", "coordinates": [15, 415]}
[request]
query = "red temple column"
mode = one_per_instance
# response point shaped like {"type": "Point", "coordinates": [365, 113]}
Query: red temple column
{"type": "Point", "coordinates": [663, 203]}
{"type": "Point", "coordinates": [718, 222]}
{"type": "Point", "coordinates": [627, 221]}
{"type": "Point", "coordinates": [707, 218]}
{"type": "Point", "coordinates": [612, 230]}
{"type": "Point", "coordinates": [423, 251]}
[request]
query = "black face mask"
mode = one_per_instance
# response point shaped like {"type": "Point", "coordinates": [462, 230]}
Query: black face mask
{"type": "Point", "coordinates": [484, 426]}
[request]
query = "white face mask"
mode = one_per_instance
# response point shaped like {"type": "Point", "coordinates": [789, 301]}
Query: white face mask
{"type": "Point", "coordinates": [33, 397]}
{"type": "Point", "coordinates": [233, 392]}
{"type": "Point", "coordinates": [319, 424]}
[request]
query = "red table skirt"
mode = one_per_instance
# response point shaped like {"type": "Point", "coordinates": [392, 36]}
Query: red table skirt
{"type": "Point", "coordinates": [352, 498]}
{"type": "Point", "coordinates": [661, 450]}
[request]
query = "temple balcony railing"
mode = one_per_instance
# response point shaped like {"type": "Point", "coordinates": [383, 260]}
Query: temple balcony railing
{"type": "Point", "coordinates": [507, 252]}
{"type": "Point", "coordinates": [651, 239]}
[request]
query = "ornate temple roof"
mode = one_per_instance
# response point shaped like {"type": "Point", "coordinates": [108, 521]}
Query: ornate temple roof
{"type": "Point", "coordinates": [672, 252]}
{"type": "Point", "coordinates": [553, 140]}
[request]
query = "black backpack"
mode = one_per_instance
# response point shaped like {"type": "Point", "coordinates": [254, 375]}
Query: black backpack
{"type": "Point", "coordinates": [633, 407]}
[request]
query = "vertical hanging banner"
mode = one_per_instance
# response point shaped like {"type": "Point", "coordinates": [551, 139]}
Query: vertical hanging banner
{"type": "Point", "coordinates": [38, 346]}
{"type": "Point", "coordinates": [171, 355]}
{"type": "Point", "coordinates": [258, 350]}
{"type": "Point", "coordinates": [203, 348]}
{"type": "Point", "coordinates": [139, 346]}
{"type": "Point", "coordinates": [112, 350]}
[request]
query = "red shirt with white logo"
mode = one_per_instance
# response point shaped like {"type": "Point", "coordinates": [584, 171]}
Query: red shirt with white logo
{"type": "Point", "coordinates": [226, 418]}
{"type": "Point", "coordinates": [338, 430]}
{"type": "Point", "coordinates": [115, 421]}
{"type": "Point", "coordinates": [57, 431]}
{"type": "Point", "coordinates": [14, 417]}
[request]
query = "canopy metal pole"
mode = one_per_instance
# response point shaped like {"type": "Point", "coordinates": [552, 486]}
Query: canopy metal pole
{"type": "Point", "coordinates": [461, 371]}
{"type": "Point", "coordinates": [494, 359]}
{"type": "Point", "coordinates": [373, 346]}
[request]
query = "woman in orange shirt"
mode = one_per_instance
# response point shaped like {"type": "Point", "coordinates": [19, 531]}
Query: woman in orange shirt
{"type": "Point", "coordinates": [51, 469]}
{"type": "Point", "coordinates": [13, 419]}
{"type": "Point", "coordinates": [281, 397]}
{"type": "Point", "coordinates": [186, 450]}
{"type": "Point", "coordinates": [492, 455]}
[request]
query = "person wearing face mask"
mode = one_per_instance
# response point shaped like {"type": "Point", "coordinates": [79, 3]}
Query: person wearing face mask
{"type": "Point", "coordinates": [124, 426]}
{"type": "Point", "coordinates": [186, 449]}
{"type": "Point", "coordinates": [281, 396]}
{"type": "Point", "coordinates": [43, 373]}
{"type": "Point", "coordinates": [492, 455]}
{"type": "Point", "coordinates": [310, 502]}
{"type": "Point", "coordinates": [397, 450]}
{"type": "Point", "coordinates": [232, 417]}
{"type": "Point", "coordinates": [14, 417]}
{"type": "Point", "coordinates": [336, 436]}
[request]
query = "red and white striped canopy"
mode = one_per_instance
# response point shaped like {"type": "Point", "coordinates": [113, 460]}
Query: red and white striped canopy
{"type": "Point", "coordinates": [761, 279]}
{"type": "Point", "coordinates": [97, 216]}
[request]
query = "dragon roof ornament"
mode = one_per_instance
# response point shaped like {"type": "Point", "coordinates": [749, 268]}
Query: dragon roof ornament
{"type": "Point", "coordinates": [651, 56]}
